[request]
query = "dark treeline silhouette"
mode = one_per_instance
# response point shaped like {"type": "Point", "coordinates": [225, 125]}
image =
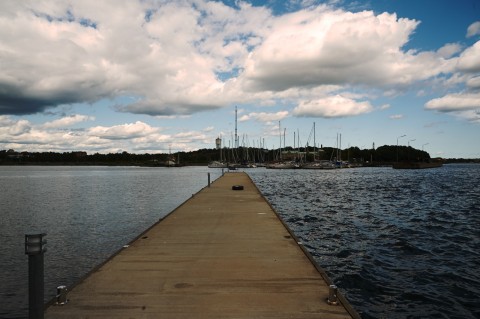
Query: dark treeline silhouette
{"type": "Point", "coordinates": [384, 155]}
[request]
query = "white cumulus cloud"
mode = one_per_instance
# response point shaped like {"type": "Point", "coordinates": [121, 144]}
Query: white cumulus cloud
{"type": "Point", "coordinates": [469, 60]}
{"type": "Point", "coordinates": [332, 106]}
{"type": "Point", "coordinates": [336, 47]}
{"type": "Point", "coordinates": [474, 83]}
{"type": "Point", "coordinates": [264, 117]}
{"type": "Point", "coordinates": [171, 59]}
{"type": "Point", "coordinates": [473, 29]}
{"type": "Point", "coordinates": [124, 131]}
{"type": "Point", "coordinates": [455, 102]}
{"type": "Point", "coordinates": [450, 49]}
{"type": "Point", "coordinates": [182, 57]}
{"type": "Point", "coordinates": [68, 121]}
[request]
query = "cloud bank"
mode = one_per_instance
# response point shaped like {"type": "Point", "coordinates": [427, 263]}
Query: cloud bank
{"type": "Point", "coordinates": [465, 103]}
{"type": "Point", "coordinates": [59, 136]}
{"type": "Point", "coordinates": [172, 58]}
{"type": "Point", "coordinates": [182, 57]}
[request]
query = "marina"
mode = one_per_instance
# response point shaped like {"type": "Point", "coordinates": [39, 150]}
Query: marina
{"type": "Point", "coordinates": [240, 159]}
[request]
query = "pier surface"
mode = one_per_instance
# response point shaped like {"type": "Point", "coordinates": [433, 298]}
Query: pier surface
{"type": "Point", "coordinates": [222, 254]}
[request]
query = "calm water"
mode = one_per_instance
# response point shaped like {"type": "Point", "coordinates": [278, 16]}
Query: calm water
{"type": "Point", "coordinates": [398, 243]}
{"type": "Point", "coordinates": [87, 212]}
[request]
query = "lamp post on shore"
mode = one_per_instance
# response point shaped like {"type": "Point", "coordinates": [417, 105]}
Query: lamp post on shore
{"type": "Point", "coordinates": [424, 145]}
{"type": "Point", "coordinates": [410, 141]}
{"type": "Point", "coordinates": [397, 144]}
{"type": "Point", "coordinates": [35, 247]}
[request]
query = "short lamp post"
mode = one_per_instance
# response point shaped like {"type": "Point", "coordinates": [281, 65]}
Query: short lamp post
{"type": "Point", "coordinates": [35, 247]}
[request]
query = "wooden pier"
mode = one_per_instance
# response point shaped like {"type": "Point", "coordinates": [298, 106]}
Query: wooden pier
{"type": "Point", "coordinates": [224, 253]}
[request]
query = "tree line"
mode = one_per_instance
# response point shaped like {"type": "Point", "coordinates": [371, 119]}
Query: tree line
{"type": "Point", "coordinates": [383, 155]}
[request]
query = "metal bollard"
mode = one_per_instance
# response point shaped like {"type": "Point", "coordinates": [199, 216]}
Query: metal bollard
{"type": "Point", "coordinates": [332, 295]}
{"type": "Point", "coordinates": [34, 248]}
{"type": "Point", "coordinates": [61, 295]}
{"type": "Point", "coordinates": [208, 179]}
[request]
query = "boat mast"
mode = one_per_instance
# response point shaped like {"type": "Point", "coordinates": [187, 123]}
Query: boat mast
{"type": "Point", "coordinates": [339, 149]}
{"type": "Point", "coordinates": [314, 143]}
{"type": "Point", "coordinates": [336, 155]}
{"type": "Point", "coordinates": [280, 131]}
{"type": "Point", "coordinates": [236, 135]}
{"type": "Point", "coordinates": [294, 144]}
{"type": "Point", "coordinates": [263, 147]}
{"type": "Point", "coordinates": [298, 146]}
{"type": "Point", "coordinates": [169, 155]}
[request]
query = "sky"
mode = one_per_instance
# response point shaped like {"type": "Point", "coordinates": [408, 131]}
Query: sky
{"type": "Point", "coordinates": [158, 76]}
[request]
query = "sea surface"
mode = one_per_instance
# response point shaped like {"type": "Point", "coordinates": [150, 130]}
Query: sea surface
{"type": "Point", "coordinates": [88, 213]}
{"type": "Point", "coordinates": [397, 243]}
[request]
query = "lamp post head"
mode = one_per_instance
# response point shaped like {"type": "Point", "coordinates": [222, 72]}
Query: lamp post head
{"type": "Point", "coordinates": [35, 244]}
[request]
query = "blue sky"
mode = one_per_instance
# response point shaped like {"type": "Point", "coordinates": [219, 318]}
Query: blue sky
{"type": "Point", "coordinates": [147, 76]}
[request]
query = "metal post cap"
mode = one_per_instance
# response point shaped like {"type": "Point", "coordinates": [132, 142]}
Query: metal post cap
{"type": "Point", "coordinates": [35, 244]}
{"type": "Point", "coordinates": [332, 295]}
{"type": "Point", "coordinates": [61, 295]}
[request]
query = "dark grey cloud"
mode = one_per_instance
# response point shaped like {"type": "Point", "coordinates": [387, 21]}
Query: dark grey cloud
{"type": "Point", "coordinates": [17, 101]}
{"type": "Point", "coordinates": [14, 102]}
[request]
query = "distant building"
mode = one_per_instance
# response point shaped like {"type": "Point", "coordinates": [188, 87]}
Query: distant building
{"type": "Point", "coordinates": [13, 155]}
{"type": "Point", "coordinates": [79, 154]}
{"type": "Point", "coordinates": [218, 143]}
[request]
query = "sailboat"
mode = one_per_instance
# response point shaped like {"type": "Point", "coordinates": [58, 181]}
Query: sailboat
{"type": "Point", "coordinates": [280, 163]}
{"type": "Point", "coordinates": [217, 164]}
{"type": "Point", "coordinates": [316, 164]}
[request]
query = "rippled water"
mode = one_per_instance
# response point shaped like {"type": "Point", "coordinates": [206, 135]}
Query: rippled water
{"type": "Point", "coordinates": [398, 243]}
{"type": "Point", "coordinates": [88, 213]}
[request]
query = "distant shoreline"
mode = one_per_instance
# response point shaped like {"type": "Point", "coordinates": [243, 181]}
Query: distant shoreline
{"type": "Point", "coordinates": [382, 156]}
{"type": "Point", "coordinates": [86, 164]}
